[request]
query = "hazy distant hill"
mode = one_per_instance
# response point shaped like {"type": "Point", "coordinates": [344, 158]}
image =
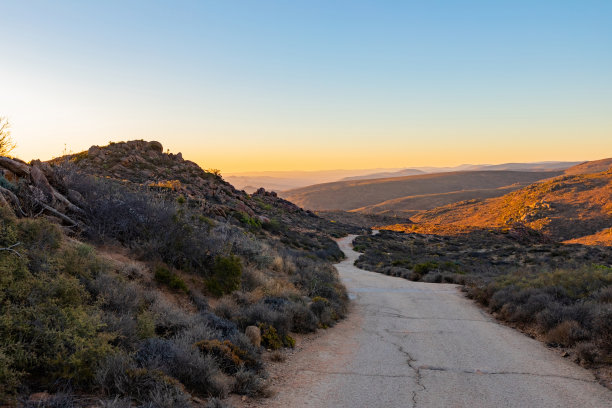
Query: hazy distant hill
{"type": "Point", "coordinates": [352, 195]}
{"type": "Point", "coordinates": [538, 166]}
{"type": "Point", "coordinates": [288, 180]}
{"type": "Point", "coordinates": [400, 173]}
{"type": "Point", "coordinates": [567, 207]}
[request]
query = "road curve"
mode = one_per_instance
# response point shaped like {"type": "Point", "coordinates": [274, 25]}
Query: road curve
{"type": "Point", "coordinates": [414, 344]}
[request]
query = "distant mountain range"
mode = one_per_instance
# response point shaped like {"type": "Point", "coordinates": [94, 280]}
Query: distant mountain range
{"type": "Point", "coordinates": [288, 180]}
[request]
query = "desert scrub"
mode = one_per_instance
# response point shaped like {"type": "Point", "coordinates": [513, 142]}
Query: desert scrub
{"type": "Point", "coordinates": [226, 274]}
{"type": "Point", "coordinates": [229, 356]}
{"type": "Point", "coordinates": [51, 329]}
{"type": "Point", "coordinates": [271, 339]}
{"type": "Point", "coordinates": [568, 306]}
{"type": "Point", "coordinates": [252, 223]}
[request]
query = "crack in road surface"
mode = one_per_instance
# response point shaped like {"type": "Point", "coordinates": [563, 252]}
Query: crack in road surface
{"type": "Point", "coordinates": [485, 372]}
{"type": "Point", "coordinates": [424, 345]}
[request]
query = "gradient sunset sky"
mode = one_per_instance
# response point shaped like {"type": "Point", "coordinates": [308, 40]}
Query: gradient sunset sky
{"type": "Point", "coordinates": [312, 85]}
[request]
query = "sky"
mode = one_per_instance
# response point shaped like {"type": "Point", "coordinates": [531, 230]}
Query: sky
{"type": "Point", "coordinates": [312, 84]}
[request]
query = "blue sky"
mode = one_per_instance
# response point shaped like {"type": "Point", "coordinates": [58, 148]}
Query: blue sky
{"type": "Point", "coordinates": [299, 85]}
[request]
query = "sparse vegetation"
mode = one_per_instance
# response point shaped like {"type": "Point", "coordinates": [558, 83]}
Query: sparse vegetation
{"type": "Point", "coordinates": [6, 142]}
{"type": "Point", "coordinates": [119, 309]}
{"type": "Point", "coordinates": [563, 292]}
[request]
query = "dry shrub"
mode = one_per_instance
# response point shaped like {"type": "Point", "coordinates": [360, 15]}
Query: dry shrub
{"type": "Point", "coordinates": [278, 356]}
{"type": "Point", "coordinates": [229, 356]}
{"type": "Point", "coordinates": [587, 352]}
{"type": "Point", "coordinates": [227, 308]}
{"type": "Point", "coordinates": [565, 333]}
{"type": "Point", "coordinates": [280, 288]}
{"type": "Point", "coordinates": [277, 264]}
{"type": "Point", "coordinates": [252, 279]}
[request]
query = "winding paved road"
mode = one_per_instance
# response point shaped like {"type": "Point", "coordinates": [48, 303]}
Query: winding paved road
{"type": "Point", "coordinates": [413, 344]}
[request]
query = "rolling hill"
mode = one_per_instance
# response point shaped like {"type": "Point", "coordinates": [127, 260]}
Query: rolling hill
{"type": "Point", "coordinates": [357, 194]}
{"type": "Point", "coordinates": [567, 207]}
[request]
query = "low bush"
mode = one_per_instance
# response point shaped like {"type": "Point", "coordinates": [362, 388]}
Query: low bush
{"type": "Point", "coordinates": [225, 277]}
{"type": "Point", "coordinates": [199, 373]}
{"type": "Point", "coordinates": [270, 338]}
{"type": "Point", "coordinates": [51, 330]}
{"type": "Point", "coordinates": [249, 383]}
{"type": "Point", "coordinates": [172, 280]}
{"type": "Point", "coordinates": [229, 356]}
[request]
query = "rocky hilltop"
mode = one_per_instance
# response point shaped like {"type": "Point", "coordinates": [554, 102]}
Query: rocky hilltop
{"type": "Point", "coordinates": [132, 276]}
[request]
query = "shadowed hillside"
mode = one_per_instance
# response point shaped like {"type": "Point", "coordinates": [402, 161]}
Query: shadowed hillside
{"type": "Point", "coordinates": [132, 277]}
{"type": "Point", "coordinates": [352, 195]}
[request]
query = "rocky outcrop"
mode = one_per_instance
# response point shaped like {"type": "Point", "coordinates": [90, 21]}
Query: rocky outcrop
{"type": "Point", "coordinates": [33, 188]}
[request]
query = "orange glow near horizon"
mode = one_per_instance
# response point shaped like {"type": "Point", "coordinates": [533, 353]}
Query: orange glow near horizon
{"type": "Point", "coordinates": [245, 157]}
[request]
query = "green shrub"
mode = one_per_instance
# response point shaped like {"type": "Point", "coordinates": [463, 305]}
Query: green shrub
{"type": "Point", "coordinates": [9, 377]}
{"type": "Point", "coordinates": [250, 222]}
{"type": "Point", "coordinates": [424, 268]}
{"type": "Point", "coordinates": [226, 274]}
{"type": "Point", "coordinates": [145, 325]}
{"type": "Point", "coordinates": [269, 337]}
{"type": "Point", "coordinates": [51, 328]}
{"type": "Point", "coordinates": [273, 225]}
{"type": "Point", "coordinates": [172, 280]}
{"type": "Point", "coordinates": [288, 341]}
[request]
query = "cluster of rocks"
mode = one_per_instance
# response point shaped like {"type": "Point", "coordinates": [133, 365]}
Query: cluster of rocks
{"type": "Point", "coordinates": [39, 186]}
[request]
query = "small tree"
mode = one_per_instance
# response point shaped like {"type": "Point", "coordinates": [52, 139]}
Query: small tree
{"type": "Point", "coordinates": [6, 143]}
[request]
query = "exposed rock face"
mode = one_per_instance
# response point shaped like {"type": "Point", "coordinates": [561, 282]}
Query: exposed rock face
{"type": "Point", "coordinates": [143, 165]}
{"type": "Point", "coordinates": [156, 146]}
{"type": "Point", "coordinates": [41, 194]}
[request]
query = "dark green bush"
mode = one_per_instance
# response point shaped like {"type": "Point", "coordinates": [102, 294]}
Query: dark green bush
{"type": "Point", "coordinates": [163, 275]}
{"type": "Point", "coordinates": [51, 330]}
{"type": "Point", "coordinates": [225, 277]}
{"type": "Point", "coordinates": [269, 337]}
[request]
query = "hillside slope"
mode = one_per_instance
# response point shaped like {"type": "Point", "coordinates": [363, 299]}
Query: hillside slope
{"type": "Point", "coordinates": [406, 206]}
{"type": "Point", "coordinates": [131, 277]}
{"type": "Point", "coordinates": [594, 166]}
{"type": "Point", "coordinates": [351, 195]}
{"type": "Point", "coordinates": [566, 207]}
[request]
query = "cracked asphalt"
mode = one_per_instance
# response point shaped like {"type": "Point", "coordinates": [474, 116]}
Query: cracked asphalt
{"type": "Point", "coordinates": [414, 344]}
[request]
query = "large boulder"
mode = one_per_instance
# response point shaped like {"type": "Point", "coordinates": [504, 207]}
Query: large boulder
{"type": "Point", "coordinates": [18, 167]}
{"type": "Point", "coordinates": [156, 146]}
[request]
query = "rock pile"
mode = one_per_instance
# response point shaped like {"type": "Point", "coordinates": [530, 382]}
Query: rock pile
{"type": "Point", "coordinates": [36, 187]}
